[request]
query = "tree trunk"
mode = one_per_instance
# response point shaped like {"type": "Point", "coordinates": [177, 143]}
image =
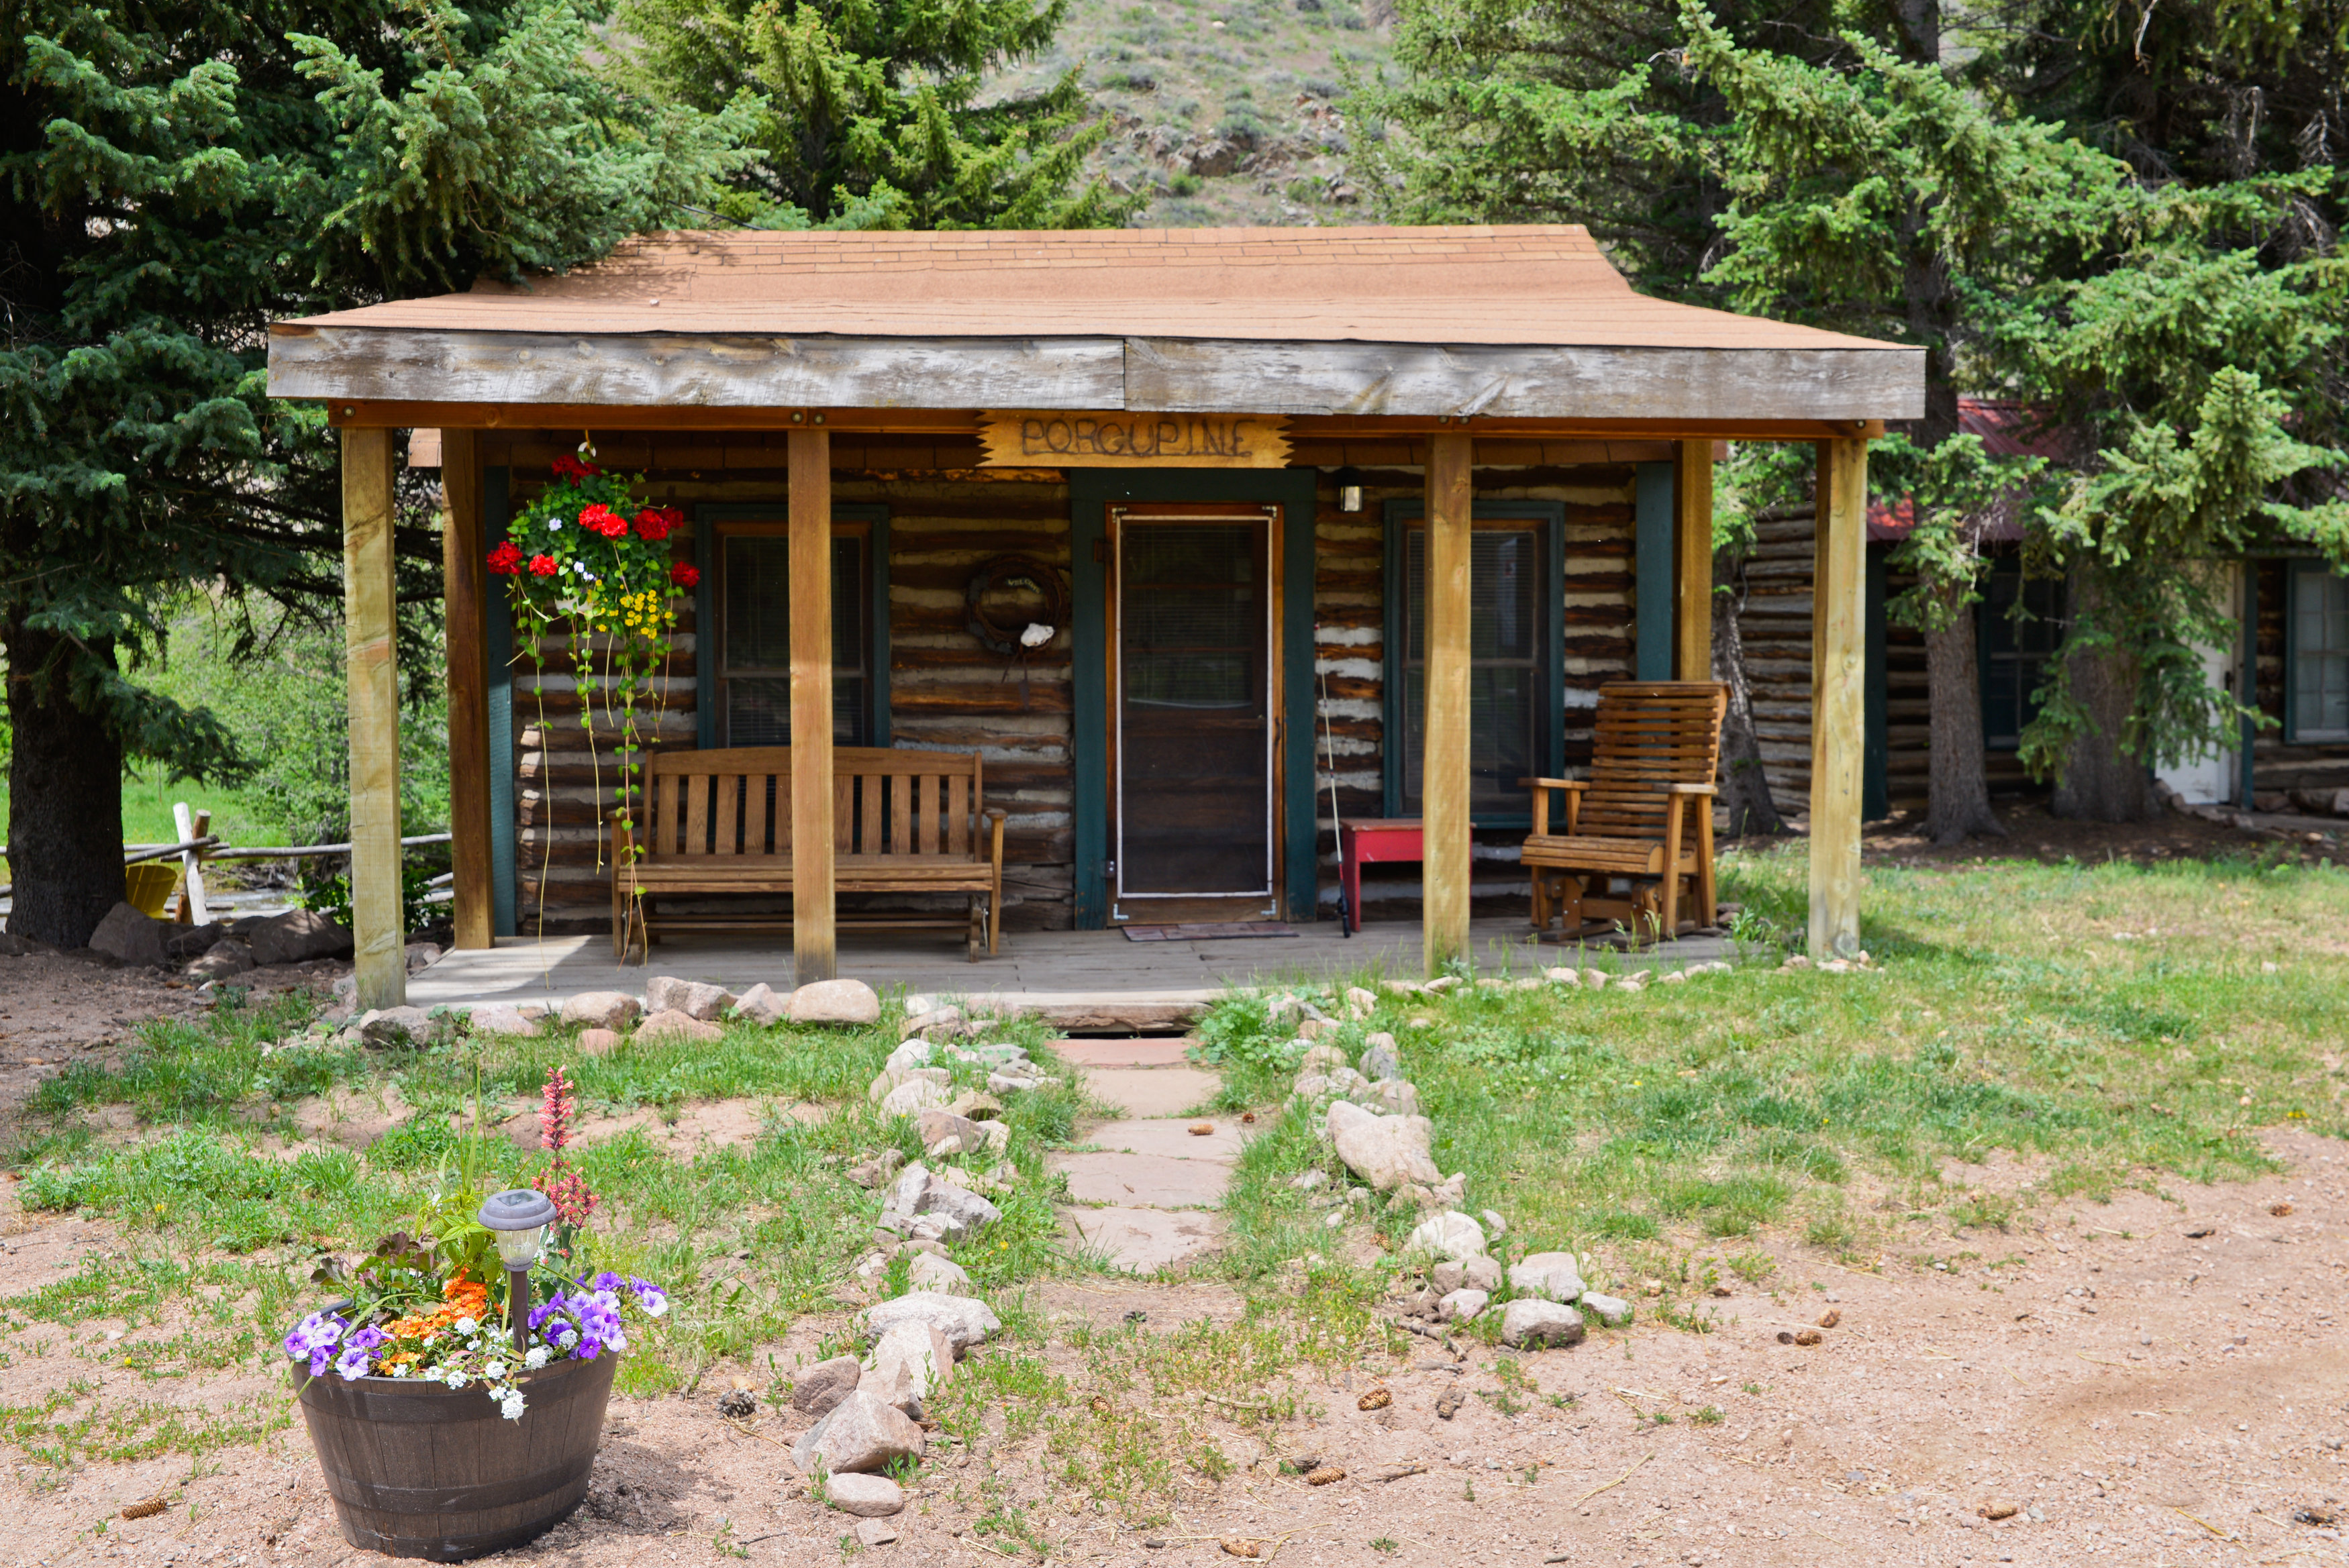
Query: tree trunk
{"type": "Point", "coordinates": [1744, 788]}
{"type": "Point", "coordinates": [64, 797]}
{"type": "Point", "coordinates": [1958, 794]}
{"type": "Point", "coordinates": [2100, 782]}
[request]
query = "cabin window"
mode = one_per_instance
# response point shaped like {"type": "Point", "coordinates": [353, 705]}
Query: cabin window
{"type": "Point", "coordinates": [749, 647]}
{"type": "Point", "coordinates": [2014, 649]}
{"type": "Point", "coordinates": [1516, 659]}
{"type": "Point", "coordinates": [2316, 609]}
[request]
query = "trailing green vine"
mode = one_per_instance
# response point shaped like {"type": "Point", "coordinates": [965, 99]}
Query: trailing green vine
{"type": "Point", "coordinates": [587, 557]}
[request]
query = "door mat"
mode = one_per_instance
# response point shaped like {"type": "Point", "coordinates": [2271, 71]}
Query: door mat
{"type": "Point", "coordinates": [1207, 931]}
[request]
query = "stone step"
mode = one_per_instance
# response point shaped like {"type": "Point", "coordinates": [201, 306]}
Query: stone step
{"type": "Point", "coordinates": [1141, 1051]}
{"type": "Point", "coordinates": [1152, 1091]}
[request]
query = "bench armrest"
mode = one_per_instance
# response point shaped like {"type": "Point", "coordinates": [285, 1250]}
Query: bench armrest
{"type": "Point", "coordinates": [1541, 788]}
{"type": "Point", "coordinates": [1692, 790]}
{"type": "Point", "coordinates": [1553, 784]}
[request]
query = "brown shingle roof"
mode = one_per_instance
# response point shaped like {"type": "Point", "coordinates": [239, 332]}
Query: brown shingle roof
{"type": "Point", "coordinates": [1533, 284]}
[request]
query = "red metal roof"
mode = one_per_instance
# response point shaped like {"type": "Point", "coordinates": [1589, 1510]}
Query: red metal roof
{"type": "Point", "coordinates": [2007, 429]}
{"type": "Point", "coordinates": [1528, 284]}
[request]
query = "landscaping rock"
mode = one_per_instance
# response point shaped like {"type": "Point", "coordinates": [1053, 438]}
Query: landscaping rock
{"type": "Point", "coordinates": [907, 1056]}
{"type": "Point", "coordinates": [1482, 1273]}
{"type": "Point", "coordinates": [864, 1432]}
{"type": "Point", "coordinates": [816, 1390]}
{"type": "Point", "coordinates": [298, 936]}
{"type": "Point", "coordinates": [1562, 976]}
{"type": "Point", "coordinates": [1553, 1276]}
{"type": "Point", "coordinates": [672, 1025]}
{"type": "Point", "coordinates": [1387, 1151]}
{"type": "Point", "coordinates": [189, 942]}
{"type": "Point", "coordinates": [977, 1106]}
{"type": "Point", "coordinates": [760, 1005]}
{"type": "Point", "coordinates": [943, 1133]}
{"type": "Point", "coordinates": [1309, 1180]}
{"type": "Point", "coordinates": [928, 1018]}
{"type": "Point", "coordinates": [1360, 1004]}
{"type": "Point", "coordinates": [1494, 1224]}
{"type": "Point", "coordinates": [225, 957]}
{"type": "Point", "coordinates": [396, 1027]}
{"type": "Point", "coordinates": [1594, 978]}
{"type": "Point", "coordinates": [1396, 1097]}
{"type": "Point", "coordinates": [1460, 1306]}
{"type": "Point", "coordinates": [131, 937]}
{"type": "Point", "coordinates": [613, 1010]}
{"type": "Point", "coordinates": [920, 1194]}
{"type": "Point", "coordinates": [913, 1095]}
{"type": "Point", "coordinates": [872, 1533]}
{"type": "Point", "coordinates": [1379, 1058]}
{"type": "Point", "coordinates": [1529, 1325]}
{"type": "Point", "coordinates": [876, 1171]}
{"type": "Point", "coordinates": [1310, 1086]}
{"type": "Point", "coordinates": [848, 1001]}
{"type": "Point", "coordinates": [1613, 1312]}
{"type": "Point", "coordinates": [1448, 1235]}
{"type": "Point", "coordinates": [1446, 1277]}
{"type": "Point", "coordinates": [694, 998]}
{"type": "Point", "coordinates": [964, 1321]}
{"type": "Point", "coordinates": [502, 1018]}
{"type": "Point", "coordinates": [598, 1042]}
{"type": "Point", "coordinates": [932, 1272]}
{"type": "Point", "coordinates": [891, 1077]}
{"type": "Point", "coordinates": [1010, 1081]}
{"type": "Point", "coordinates": [1322, 1059]}
{"type": "Point", "coordinates": [866, 1496]}
{"type": "Point", "coordinates": [909, 1361]}
{"type": "Point", "coordinates": [422, 955]}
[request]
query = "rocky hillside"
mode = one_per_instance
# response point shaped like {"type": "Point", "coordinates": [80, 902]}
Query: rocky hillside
{"type": "Point", "coordinates": [1225, 110]}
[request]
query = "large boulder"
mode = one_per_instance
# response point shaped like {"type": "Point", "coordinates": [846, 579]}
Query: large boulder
{"type": "Point", "coordinates": [225, 957]}
{"type": "Point", "coordinates": [694, 998]}
{"type": "Point", "coordinates": [864, 1433]}
{"type": "Point", "coordinates": [835, 1002]}
{"type": "Point", "coordinates": [1448, 1235]}
{"type": "Point", "coordinates": [1554, 1276]}
{"type": "Point", "coordinates": [298, 936]}
{"type": "Point", "coordinates": [613, 1010]}
{"type": "Point", "coordinates": [1387, 1151]}
{"type": "Point", "coordinates": [815, 1391]}
{"type": "Point", "coordinates": [1530, 1324]}
{"type": "Point", "coordinates": [131, 937]}
{"type": "Point", "coordinates": [963, 1320]}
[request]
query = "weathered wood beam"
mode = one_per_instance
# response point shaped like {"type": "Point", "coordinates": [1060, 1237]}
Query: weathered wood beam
{"type": "Point", "coordinates": [466, 609]}
{"type": "Point", "coordinates": [1838, 659]}
{"type": "Point", "coordinates": [1693, 561]}
{"type": "Point", "coordinates": [373, 672]}
{"type": "Point", "coordinates": [815, 953]}
{"type": "Point", "coordinates": [1444, 773]}
{"type": "Point", "coordinates": [351, 364]}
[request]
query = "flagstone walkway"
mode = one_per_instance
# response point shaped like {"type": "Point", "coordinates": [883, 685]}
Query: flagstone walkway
{"type": "Point", "coordinates": [1147, 1187]}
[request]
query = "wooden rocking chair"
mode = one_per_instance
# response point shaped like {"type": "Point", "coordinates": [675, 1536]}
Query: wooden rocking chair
{"type": "Point", "coordinates": [1644, 816]}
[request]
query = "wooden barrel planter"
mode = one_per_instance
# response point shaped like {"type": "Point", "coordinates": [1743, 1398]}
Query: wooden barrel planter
{"type": "Point", "coordinates": [421, 1470]}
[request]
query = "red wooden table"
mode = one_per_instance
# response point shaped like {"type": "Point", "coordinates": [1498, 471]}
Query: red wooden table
{"type": "Point", "coordinates": [1368, 840]}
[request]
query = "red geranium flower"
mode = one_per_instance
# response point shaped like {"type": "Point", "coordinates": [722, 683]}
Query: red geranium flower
{"type": "Point", "coordinates": [684, 574]}
{"type": "Point", "coordinates": [506, 559]}
{"type": "Point", "coordinates": [600, 519]}
{"type": "Point", "coordinates": [543, 566]}
{"type": "Point", "coordinates": [568, 467]}
{"type": "Point", "coordinates": [655, 523]}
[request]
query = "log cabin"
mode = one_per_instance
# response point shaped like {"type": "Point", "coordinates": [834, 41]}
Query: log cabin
{"type": "Point", "coordinates": [1371, 509]}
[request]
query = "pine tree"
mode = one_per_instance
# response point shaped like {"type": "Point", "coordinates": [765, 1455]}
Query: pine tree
{"type": "Point", "coordinates": [173, 176]}
{"type": "Point", "coordinates": [869, 114]}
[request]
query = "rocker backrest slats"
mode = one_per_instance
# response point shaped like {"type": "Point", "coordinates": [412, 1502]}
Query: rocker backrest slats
{"type": "Point", "coordinates": [1645, 736]}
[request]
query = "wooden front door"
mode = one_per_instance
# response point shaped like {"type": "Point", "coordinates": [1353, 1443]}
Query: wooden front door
{"type": "Point", "coordinates": [1193, 691]}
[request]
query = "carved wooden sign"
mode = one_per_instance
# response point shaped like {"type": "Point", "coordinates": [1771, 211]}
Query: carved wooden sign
{"type": "Point", "coordinates": [1126, 441]}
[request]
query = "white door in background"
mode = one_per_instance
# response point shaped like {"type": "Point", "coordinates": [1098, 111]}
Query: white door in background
{"type": "Point", "coordinates": [2209, 779]}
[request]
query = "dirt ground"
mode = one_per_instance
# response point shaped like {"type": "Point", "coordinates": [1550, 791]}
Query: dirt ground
{"type": "Point", "coordinates": [2034, 834]}
{"type": "Point", "coordinates": [2155, 1380]}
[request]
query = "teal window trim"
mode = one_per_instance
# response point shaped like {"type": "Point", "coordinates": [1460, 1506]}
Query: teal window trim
{"type": "Point", "coordinates": [1651, 572]}
{"type": "Point", "coordinates": [2293, 570]}
{"type": "Point", "coordinates": [705, 519]}
{"type": "Point", "coordinates": [1550, 740]}
{"type": "Point", "coordinates": [497, 515]}
{"type": "Point", "coordinates": [1091, 492]}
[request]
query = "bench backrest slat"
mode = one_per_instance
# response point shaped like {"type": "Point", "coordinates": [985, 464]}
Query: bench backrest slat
{"type": "Point", "coordinates": [737, 801]}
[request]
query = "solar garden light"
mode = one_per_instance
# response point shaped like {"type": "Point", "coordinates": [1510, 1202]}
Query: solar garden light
{"type": "Point", "coordinates": [518, 1218]}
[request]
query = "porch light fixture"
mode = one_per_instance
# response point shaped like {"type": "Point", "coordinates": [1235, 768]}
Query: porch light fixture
{"type": "Point", "coordinates": [1350, 490]}
{"type": "Point", "coordinates": [517, 1220]}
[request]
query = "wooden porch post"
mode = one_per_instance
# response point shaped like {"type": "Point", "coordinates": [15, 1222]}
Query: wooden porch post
{"type": "Point", "coordinates": [1444, 793]}
{"type": "Point", "coordinates": [815, 955]}
{"type": "Point", "coordinates": [465, 604]}
{"type": "Point", "coordinates": [1839, 610]}
{"type": "Point", "coordinates": [372, 667]}
{"type": "Point", "coordinates": [1693, 561]}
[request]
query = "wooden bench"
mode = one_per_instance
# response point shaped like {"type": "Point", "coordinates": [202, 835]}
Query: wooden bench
{"type": "Point", "coordinates": [719, 822]}
{"type": "Point", "coordinates": [1644, 815]}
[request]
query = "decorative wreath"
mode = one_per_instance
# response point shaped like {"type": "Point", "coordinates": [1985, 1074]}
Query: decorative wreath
{"type": "Point", "coordinates": [1007, 572]}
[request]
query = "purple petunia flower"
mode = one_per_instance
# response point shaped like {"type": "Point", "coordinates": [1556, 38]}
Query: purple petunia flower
{"type": "Point", "coordinates": [649, 1296]}
{"type": "Point", "coordinates": [607, 1280]}
{"type": "Point", "coordinates": [314, 1339]}
{"type": "Point", "coordinates": [352, 1364]}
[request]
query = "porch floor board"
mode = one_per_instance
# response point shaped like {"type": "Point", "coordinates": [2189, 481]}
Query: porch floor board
{"type": "Point", "coordinates": [1073, 975]}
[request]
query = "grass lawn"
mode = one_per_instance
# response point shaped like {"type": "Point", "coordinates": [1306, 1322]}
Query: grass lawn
{"type": "Point", "coordinates": [2036, 1038]}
